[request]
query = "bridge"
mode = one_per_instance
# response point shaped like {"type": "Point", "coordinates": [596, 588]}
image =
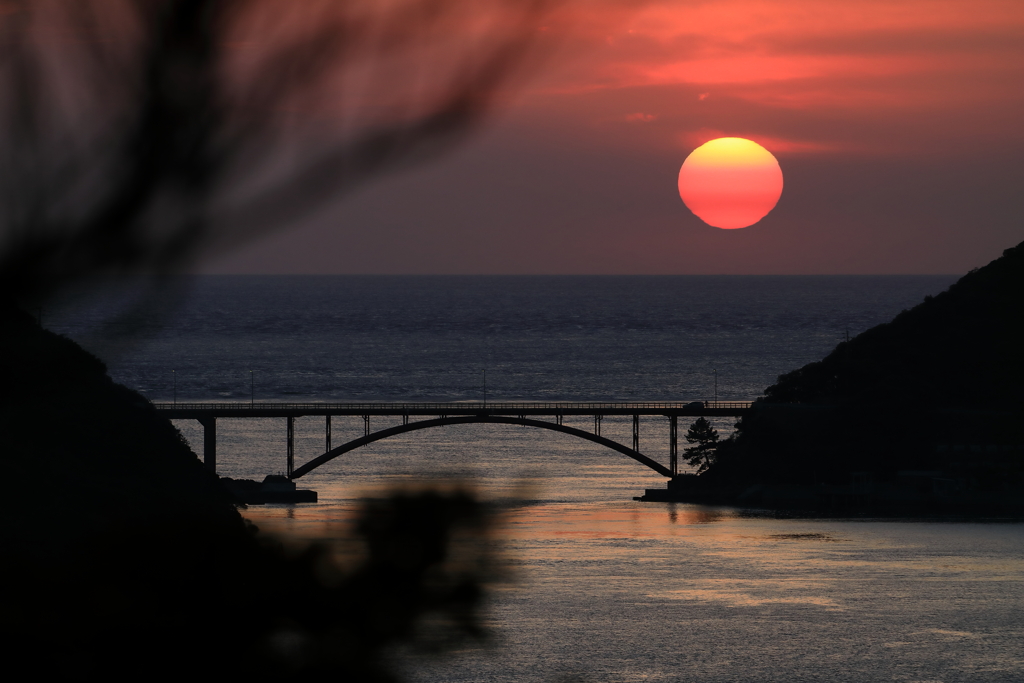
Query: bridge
{"type": "Point", "coordinates": [528, 414]}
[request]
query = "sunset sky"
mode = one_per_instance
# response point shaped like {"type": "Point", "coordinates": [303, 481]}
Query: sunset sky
{"type": "Point", "coordinates": [898, 125]}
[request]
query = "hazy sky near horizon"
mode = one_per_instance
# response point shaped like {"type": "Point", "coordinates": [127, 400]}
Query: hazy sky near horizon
{"type": "Point", "coordinates": [899, 127]}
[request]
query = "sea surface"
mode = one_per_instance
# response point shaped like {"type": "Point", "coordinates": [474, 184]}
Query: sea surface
{"type": "Point", "coordinates": [601, 587]}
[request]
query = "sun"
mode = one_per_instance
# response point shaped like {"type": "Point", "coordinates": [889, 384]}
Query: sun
{"type": "Point", "coordinates": [730, 182]}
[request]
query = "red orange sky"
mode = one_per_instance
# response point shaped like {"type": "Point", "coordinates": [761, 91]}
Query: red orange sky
{"type": "Point", "coordinates": [899, 127]}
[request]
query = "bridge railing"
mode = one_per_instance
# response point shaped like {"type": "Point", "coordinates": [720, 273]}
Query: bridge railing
{"type": "Point", "coordinates": [454, 407]}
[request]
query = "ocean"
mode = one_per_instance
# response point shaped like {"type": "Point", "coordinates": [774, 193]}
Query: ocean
{"type": "Point", "coordinates": [602, 587]}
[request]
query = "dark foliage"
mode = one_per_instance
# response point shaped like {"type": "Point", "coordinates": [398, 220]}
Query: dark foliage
{"type": "Point", "coordinates": [124, 557]}
{"type": "Point", "coordinates": [91, 448]}
{"type": "Point", "coordinates": [142, 135]}
{"type": "Point", "coordinates": [931, 389]}
{"type": "Point", "coordinates": [705, 439]}
{"type": "Point", "coordinates": [959, 349]}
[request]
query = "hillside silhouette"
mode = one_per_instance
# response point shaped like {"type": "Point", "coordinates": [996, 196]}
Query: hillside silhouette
{"type": "Point", "coordinates": [939, 389]}
{"type": "Point", "coordinates": [124, 556]}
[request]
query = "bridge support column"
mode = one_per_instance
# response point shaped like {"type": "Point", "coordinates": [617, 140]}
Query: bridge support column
{"type": "Point", "coordinates": [290, 465]}
{"type": "Point", "coordinates": [209, 442]}
{"type": "Point", "coordinates": [405, 419]}
{"type": "Point", "coordinates": [597, 425]}
{"type": "Point", "coordinates": [673, 445]}
{"type": "Point", "coordinates": [636, 433]}
{"type": "Point", "coordinates": [328, 434]}
{"type": "Point", "coordinates": [366, 425]}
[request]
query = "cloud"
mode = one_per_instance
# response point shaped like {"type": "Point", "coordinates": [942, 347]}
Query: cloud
{"type": "Point", "coordinates": [790, 41]}
{"type": "Point", "coordinates": [901, 70]}
{"type": "Point", "coordinates": [774, 144]}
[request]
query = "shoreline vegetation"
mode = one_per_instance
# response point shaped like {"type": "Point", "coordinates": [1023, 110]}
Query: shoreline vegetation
{"type": "Point", "coordinates": [923, 415]}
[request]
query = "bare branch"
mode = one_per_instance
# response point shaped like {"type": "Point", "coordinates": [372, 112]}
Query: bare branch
{"type": "Point", "coordinates": [141, 134]}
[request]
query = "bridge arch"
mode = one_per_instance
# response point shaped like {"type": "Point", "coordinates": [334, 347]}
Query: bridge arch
{"type": "Point", "coordinates": [477, 419]}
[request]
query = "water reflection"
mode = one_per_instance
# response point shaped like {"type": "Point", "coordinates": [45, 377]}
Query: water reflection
{"type": "Point", "coordinates": [773, 598]}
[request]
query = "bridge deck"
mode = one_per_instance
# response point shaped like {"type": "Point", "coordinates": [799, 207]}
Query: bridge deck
{"type": "Point", "coordinates": [280, 409]}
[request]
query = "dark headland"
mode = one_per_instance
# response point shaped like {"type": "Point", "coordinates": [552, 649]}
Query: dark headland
{"type": "Point", "coordinates": [920, 415]}
{"type": "Point", "coordinates": [123, 557]}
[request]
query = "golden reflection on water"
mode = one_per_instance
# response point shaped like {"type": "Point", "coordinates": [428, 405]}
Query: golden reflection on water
{"type": "Point", "coordinates": [864, 595]}
{"type": "Point", "coordinates": [736, 597]}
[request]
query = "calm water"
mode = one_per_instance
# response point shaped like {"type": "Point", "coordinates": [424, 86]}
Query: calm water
{"type": "Point", "coordinates": [605, 588]}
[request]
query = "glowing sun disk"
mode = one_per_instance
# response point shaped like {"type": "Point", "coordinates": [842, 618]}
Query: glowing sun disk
{"type": "Point", "coordinates": [730, 182]}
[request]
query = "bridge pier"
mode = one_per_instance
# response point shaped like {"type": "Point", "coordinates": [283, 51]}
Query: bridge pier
{"type": "Point", "coordinates": [636, 433]}
{"type": "Point", "coordinates": [328, 434]}
{"type": "Point", "coordinates": [290, 464]}
{"type": "Point", "coordinates": [366, 425]}
{"type": "Point", "coordinates": [209, 442]}
{"type": "Point", "coordinates": [673, 447]}
{"type": "Point", "coordinates": [597, 425]}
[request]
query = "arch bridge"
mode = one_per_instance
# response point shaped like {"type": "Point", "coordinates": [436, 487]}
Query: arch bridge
{"type": "Point", "coordinates": [428, 415]}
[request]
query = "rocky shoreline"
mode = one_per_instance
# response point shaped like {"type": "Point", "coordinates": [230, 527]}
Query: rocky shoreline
{"type": "Point", "coordinates": [912, 493]}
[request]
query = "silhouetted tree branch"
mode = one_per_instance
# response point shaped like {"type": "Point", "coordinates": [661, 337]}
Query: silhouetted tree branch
{"type": "Point", "coordinates": [140, 135]}
{"type": "Point", "coordinates": [705, 439]}
{"type": "Point", "coordinates": [125, 558]}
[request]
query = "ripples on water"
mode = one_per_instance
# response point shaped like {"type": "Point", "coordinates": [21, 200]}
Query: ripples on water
{"type": "Point", "coordinates": [605, 588]}
{"type": "Point", "coordinates": [538, 338]}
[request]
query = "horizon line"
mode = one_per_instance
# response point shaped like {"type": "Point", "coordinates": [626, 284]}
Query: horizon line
{"type": "Point", "coordinates": [609, 275]}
